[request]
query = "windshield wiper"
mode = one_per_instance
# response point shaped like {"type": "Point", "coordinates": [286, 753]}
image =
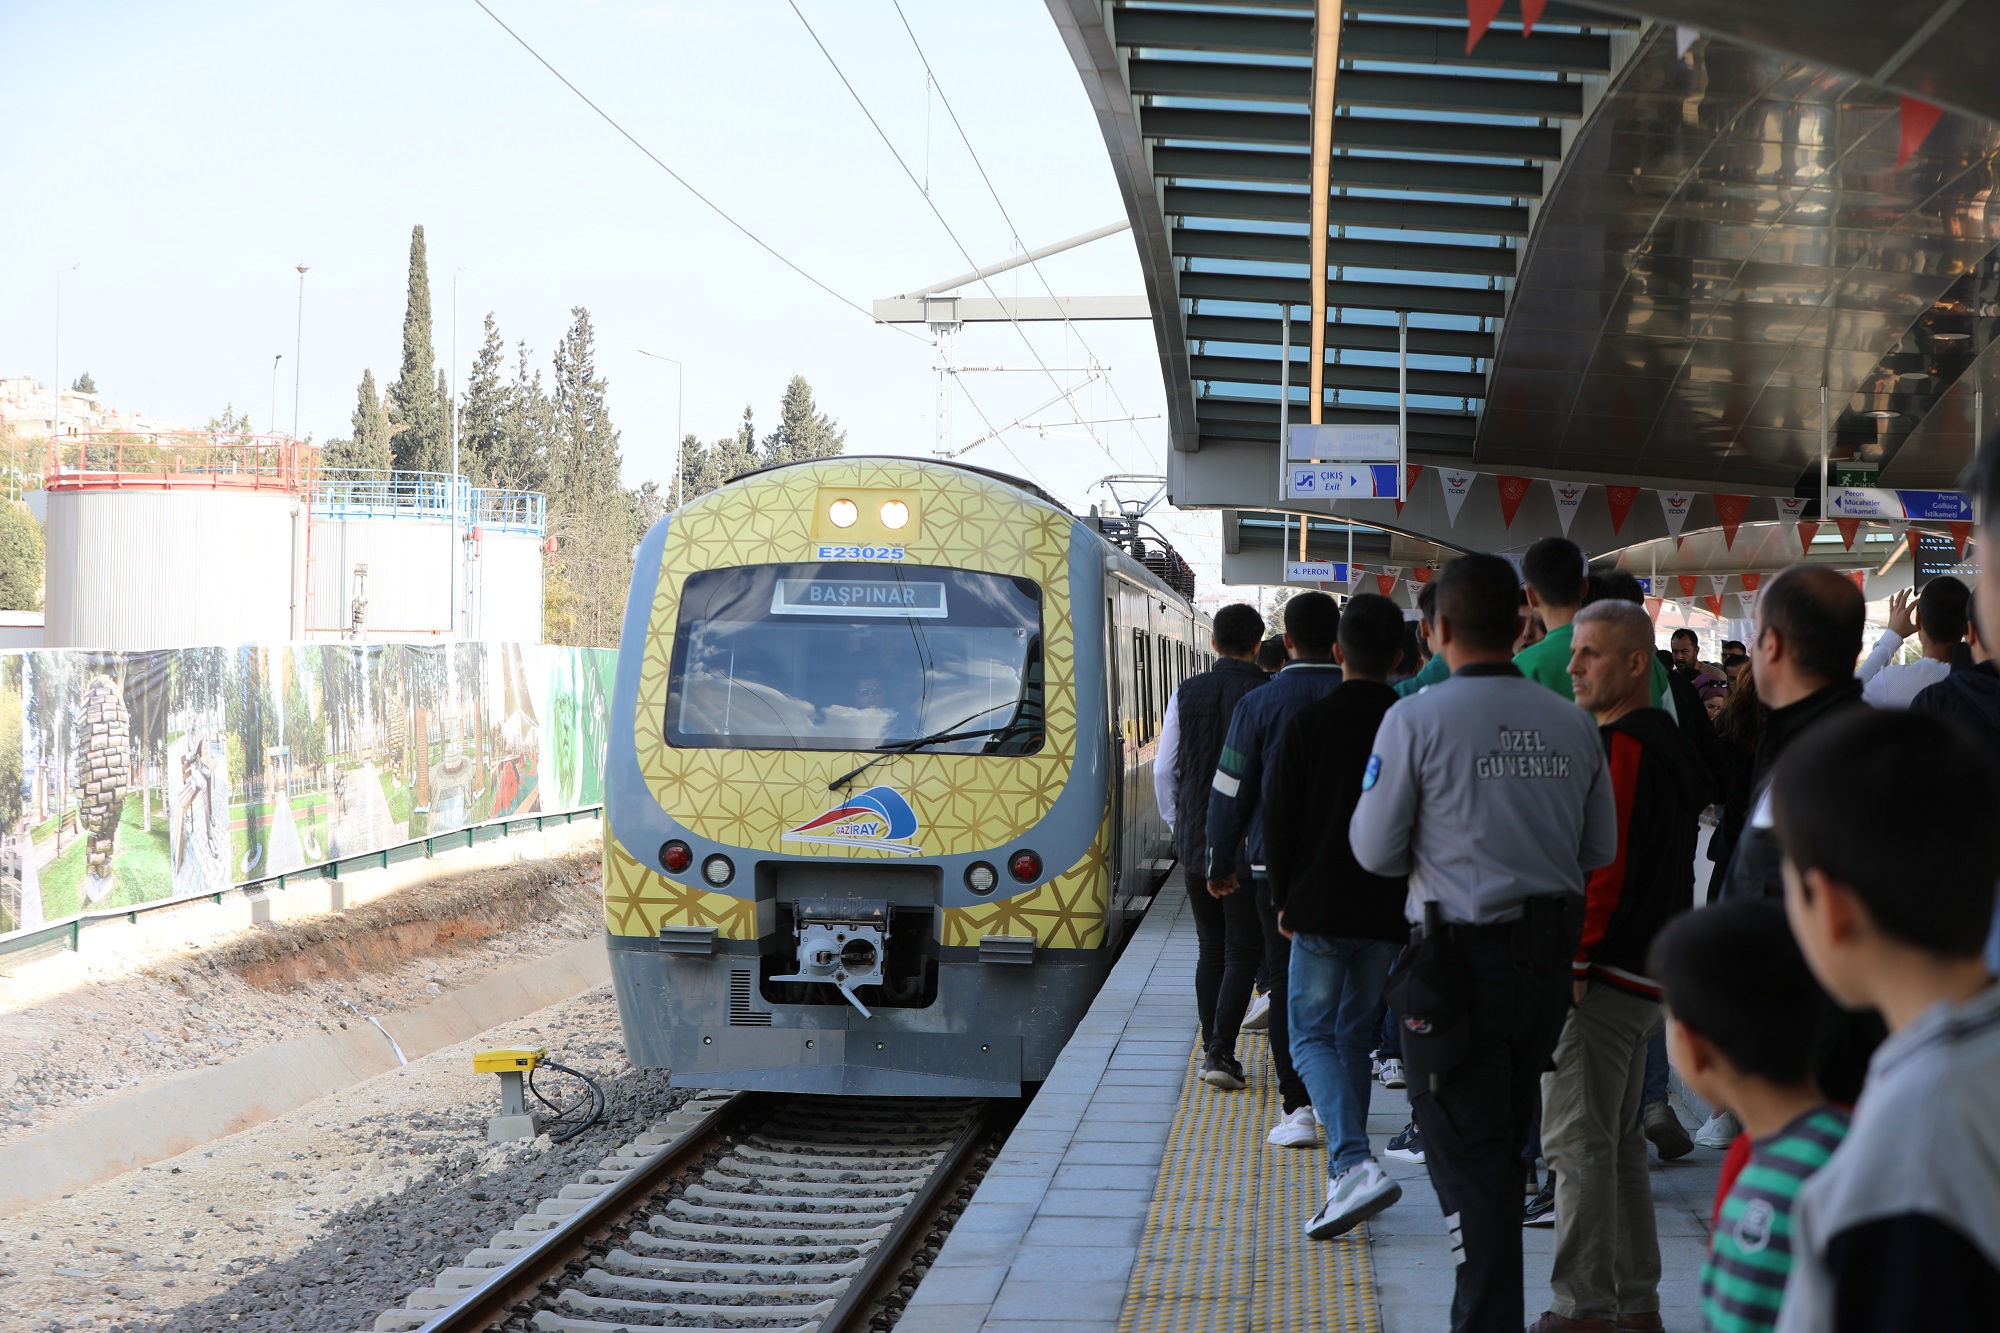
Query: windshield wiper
{"type": "Point", "coordinates": [950, 733]}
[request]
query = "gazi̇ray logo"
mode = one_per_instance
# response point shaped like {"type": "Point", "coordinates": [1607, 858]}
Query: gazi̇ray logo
{"type": "Point", "coordinates": [878, 818]}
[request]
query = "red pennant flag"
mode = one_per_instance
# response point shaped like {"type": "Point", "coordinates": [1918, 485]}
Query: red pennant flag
{"type": "Point", "coordinates": [1918, 118]}
{"type": "Point", "coordinates": [1512, 491]}
{"type": "Point", "coordinates": [1620, 499]}
{"type": "Point", "coordinates": [1653, 608]}
{"type": "Point", "coordinates": [1959, 533]}
{"type": "Point", "coordinates": [1385, 584]}
{"type": "Point", "coordinates": [1411, 472]}
{"type": "Point", "coordinates": [1479, 15]}
{"type": "Point", "coordinates": [1730, 510]}
{"type": "Point", "coordinates": [1807, 531]}
{"type": "Point", "coordinates": [1860, 577]}
{"type": "Point", "coordinates": [1688, 582]}
{"type": "Point", "coordinates": [1424, 573]}
{"type": "Point", "coordinates": [1750, 581]}
{"type": "Point", "coordinates": [1714, 605]}
{"type": "Point", "coordinates": [1531, 14]}
{"type": "Point", "coordinates": [1848, 527]}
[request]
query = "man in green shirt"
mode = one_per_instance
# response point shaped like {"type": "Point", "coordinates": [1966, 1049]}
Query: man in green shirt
{"type": "Point", "coordinates": [1554, 571]}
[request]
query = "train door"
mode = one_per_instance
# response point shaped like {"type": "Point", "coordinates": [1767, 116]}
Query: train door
{"type": "Point", "coordinates": [1114, 671]}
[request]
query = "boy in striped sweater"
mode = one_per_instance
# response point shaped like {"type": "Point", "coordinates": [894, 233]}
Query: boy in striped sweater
{"type": "Point", "coordinates": [1742, 1008]}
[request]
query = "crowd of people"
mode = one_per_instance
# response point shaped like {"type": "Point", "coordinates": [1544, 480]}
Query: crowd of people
{"type": "Point", "coordinates": [1463, 860]}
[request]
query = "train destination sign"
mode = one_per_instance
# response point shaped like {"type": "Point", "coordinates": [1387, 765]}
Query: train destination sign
{"type": "Point", "coordinates": [857, 597]}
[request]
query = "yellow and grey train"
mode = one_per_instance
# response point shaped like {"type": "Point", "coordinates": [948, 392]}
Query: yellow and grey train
{"type": "Point", "coordinates": [879, 801]}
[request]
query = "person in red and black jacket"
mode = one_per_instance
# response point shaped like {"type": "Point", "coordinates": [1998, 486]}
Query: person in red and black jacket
{"type": "Point", "coordinates": [1607, 1260]}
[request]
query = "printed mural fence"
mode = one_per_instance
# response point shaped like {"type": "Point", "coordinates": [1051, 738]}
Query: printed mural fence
{"type": "Point", "coordinates": [133, 778]}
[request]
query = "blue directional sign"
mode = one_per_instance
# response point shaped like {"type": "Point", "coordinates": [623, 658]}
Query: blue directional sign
{"type": "Point", "coordinates": [1937, 506]}
{"type": "Point", "coordinates": [1315, 571]}
{"type": "Point", "coordinates": [1337, 481]}
{"type": "Point", "coordinates": [1926, 506]}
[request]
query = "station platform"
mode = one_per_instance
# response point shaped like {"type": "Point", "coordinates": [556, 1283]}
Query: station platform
{"type": "Point", "coordinates": [1133, 1198]}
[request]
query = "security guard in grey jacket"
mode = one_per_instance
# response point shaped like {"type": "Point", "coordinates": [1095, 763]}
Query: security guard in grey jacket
{"type": "Point", "coordinates": [1491, 794]}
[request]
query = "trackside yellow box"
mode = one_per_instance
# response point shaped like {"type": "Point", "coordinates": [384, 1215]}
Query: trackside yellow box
{"type": "Point", "coordinates": [507, 1061]}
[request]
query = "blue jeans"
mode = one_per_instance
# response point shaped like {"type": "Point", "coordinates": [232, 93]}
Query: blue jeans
{"type": "Point", "coordinates": [1335, 992]}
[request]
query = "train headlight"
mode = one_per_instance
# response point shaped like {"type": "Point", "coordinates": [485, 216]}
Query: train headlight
{"type": "Point", "coordinates": [717, 870]}
{"type": "Point", "coordinates": [843, 513]}
{"type": "Point", "coordinates": [1025, 866]}
{"type": "Point", "coordinates": [676, 856]}
{"type": "Point", "coordinates": [895, 514]}
{"type": "Point", "coordinates": [981, 878]}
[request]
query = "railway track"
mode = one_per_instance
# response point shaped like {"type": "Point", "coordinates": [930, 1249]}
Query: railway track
{"type": "Point", "coordinates": [786, 1213]}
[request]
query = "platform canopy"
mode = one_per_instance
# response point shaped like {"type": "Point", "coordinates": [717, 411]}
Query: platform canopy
{"type": "Point", "coordinates": [1652, 271]}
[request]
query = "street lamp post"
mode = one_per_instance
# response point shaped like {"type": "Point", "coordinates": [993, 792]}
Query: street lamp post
{"type": "Point", "coordinates": [680, 403]}
{"type": "Point", "coordinates": [55, 431]}
{"type": "Point", "coordinates": [274, 392]}
{"type": "Point", "coordinates": [298, 343]}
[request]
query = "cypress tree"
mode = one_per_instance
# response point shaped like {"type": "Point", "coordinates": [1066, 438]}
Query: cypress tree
{"type": "Point", "coordinates": [803, 430]}
{"type": "Point", "coordinates": [583, 454]}
{"type": "Point", "coordinates": [521, 461]}
{"type": "Point", "coordinates": [483, 414]}
{"type": "Point", "coordinates": [417, 441]}
{"type": "Point", "coordinates": [369, 446]}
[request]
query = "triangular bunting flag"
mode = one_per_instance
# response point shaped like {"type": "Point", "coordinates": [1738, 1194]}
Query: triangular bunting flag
{"type": "Point", "coordinates": [1653, 608]}
{"type": "Point", "coordinates": [1620, 499]}
{"type": "Point", "coordinates": [1730, 510]}
{"type": "Point", "coordinates": [1411, 471]}
{"type": "Point", "coordinates": [1569, 495]}
{"type": "Point", "coordinates": [1413, 588]}
{"type": "Point", "coordinates": [1424, 573]}
{"type": "Point", "coordinates": [1959, 533]}
{"type": "Point", "coordinates": [1353, 574]}
{"type": "Point", "coordinates": [1749, 600]}
{"type": "Point", "coordinates": [1792, 508]}
{"type": "Point", "coordinates": [1531, 14]}
{"type": "Point", "coordinates": [1688, 584]}
{"type": "Point", "coordinates": [1674, 504]}
{"type": "Point", "coordinates": [1385, 584]}
{"type": "Point", "coordinates": [1918, 117]}
{"type": "Point", "coordinates": [1807, 531]}
{"type": "Point", "coordinates": [1684, 40]}
{"type": "Point", "coordinates": [1750, 581]}
{"type": "Point", "coordinates": [1848, 527]}
{"type": "Point", "coordinates": [1718, 582]}
{"type": "Point", "coordinates": [1714, 601]}
{"type": "Point", "coordinates": [1860, 577]}
{"type": "Point", "coordinates": [1512, 491]}
{"type": "Point", "coordinates": [1457, 485]}
{"type": "Point", "coordinates": [1479, 16]}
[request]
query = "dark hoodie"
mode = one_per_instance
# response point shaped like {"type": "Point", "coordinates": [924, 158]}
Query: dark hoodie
{"type": "Point", "coordinates": [1970, 699]}
{"type": "Point", "coordinates": [1754, 862]}
{"type": "Point", "coordinates": [1660, 785]}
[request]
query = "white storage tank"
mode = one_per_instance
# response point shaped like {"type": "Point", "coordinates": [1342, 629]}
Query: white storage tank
{"type": "Point", "coordinates": [162, 542]}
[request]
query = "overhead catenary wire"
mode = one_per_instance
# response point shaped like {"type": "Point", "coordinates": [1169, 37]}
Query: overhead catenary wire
{"type": "Point", "coordinates": [929, 202]}
{"type": "Point", "coordinates": [681, 180]}
{"type": "Point", "coordinates": [1069, 325]}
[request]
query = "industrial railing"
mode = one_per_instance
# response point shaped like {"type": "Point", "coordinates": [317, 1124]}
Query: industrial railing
{"type": "Point", "coordinates": [156, 460]}
{"type": "Point", "coordinates": [363, 493]}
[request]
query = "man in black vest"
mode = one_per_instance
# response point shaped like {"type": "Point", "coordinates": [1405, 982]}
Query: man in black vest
{"type": "Point", "coordinates": [1230, 936]}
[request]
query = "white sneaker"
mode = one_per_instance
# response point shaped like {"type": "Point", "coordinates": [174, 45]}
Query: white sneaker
{"type": "Point", "coordinates": [1296, 1129]}
{"type": "Point", "coordinates": [1720, 1131]}
{"type": "Point", "coordinates": [1258, 1016]}
{"type": "Point", "coordinates": [1392, 1074]}
{"type": "Point", "coordinates": [1352, 1197]}
{"type": "Point", "coordinates": [1316, 1120]}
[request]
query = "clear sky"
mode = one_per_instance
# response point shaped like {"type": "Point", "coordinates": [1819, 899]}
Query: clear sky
{"type": "Point", "coordinates": [188, 156]}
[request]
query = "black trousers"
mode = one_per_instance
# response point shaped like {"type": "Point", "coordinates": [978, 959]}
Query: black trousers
{"type": "Point", "coordinates": [1475, 1125]}
{"type": "Point", "coordinates": [1278, 976]}
{"type": "Point", "coordinates": [1230, 945]}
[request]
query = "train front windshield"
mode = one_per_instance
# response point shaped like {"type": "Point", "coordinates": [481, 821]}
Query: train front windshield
{"type": "Point", "coordinates": [849, 656]}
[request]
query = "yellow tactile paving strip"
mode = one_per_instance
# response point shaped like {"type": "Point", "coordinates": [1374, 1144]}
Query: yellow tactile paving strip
{"type": "Point", "coordinates": [1223, 1247]}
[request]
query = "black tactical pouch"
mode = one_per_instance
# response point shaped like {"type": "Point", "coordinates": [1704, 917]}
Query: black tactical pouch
{"type": "Point", "coordinates": [1431, 998]}
{"type": "Point", "coordinates": [1547, 933]}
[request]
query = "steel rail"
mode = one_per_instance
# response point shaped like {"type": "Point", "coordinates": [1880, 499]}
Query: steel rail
{"type": "Point", "coordinates": [494, 1300]}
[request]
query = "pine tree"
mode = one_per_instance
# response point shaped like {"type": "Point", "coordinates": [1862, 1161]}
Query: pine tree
{"type": "Point", "coordinates": [369, 445]}
{"type": "Point", "coordinates": [521, 460]}
{"type": "Point", "coordinates": [583, 453]}
{"type": "Point", "coordinates": [84, 384]}
{"type": "Point", "coordinates": [590, 514]}
{"type": "Point", "coordinates": [803, 431]}
{"type": "Point", "coordinates": [482, 416]}
{"type": "Point", "coordinates": [416, 421]}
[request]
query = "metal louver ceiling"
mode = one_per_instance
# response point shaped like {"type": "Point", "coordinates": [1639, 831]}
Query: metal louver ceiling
{"type": "Point", "coordinates": [1439, 159]}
